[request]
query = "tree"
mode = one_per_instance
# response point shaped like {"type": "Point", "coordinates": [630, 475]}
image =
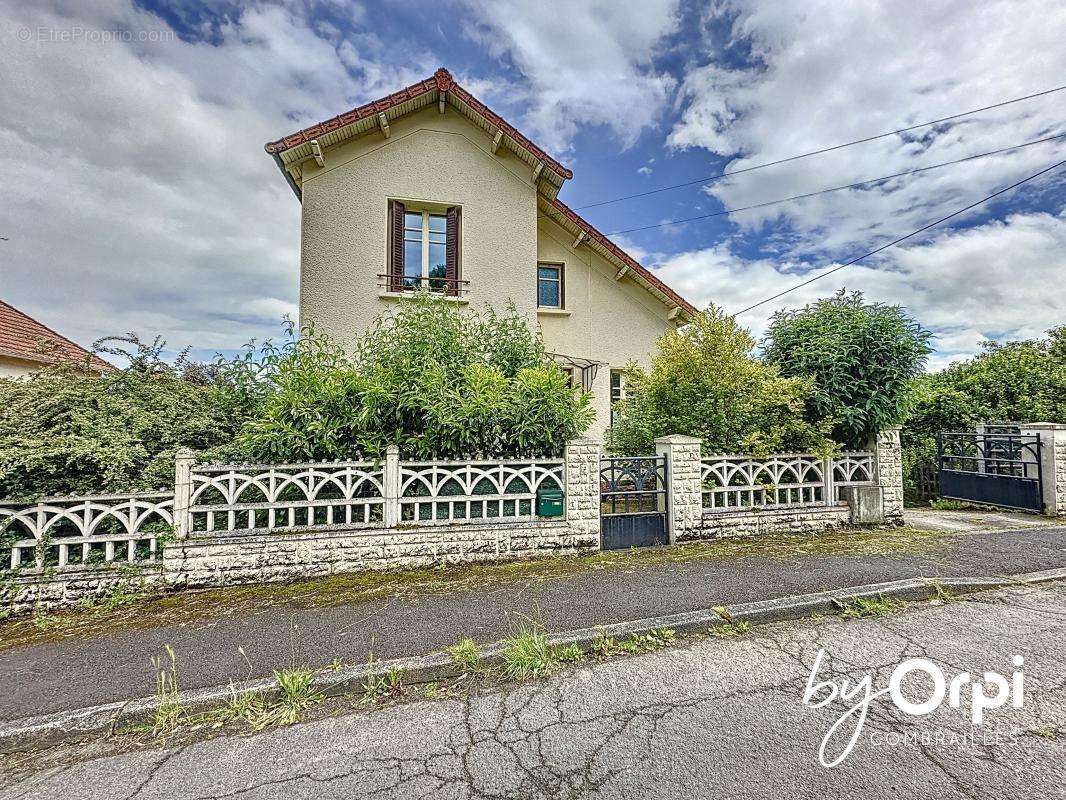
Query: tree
{"type": "Point", "coordinates": [704, 382]}
{"type": "Point", "coordinates": [860, 357]}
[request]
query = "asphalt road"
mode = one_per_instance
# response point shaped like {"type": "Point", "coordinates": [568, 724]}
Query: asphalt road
{"type": "Point", "coordinates": [115, 665]}
{"type": "Point", "coordinates": [713, 718]}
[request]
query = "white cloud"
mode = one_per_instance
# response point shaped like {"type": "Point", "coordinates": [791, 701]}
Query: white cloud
{"type": "Point", "coordinates": [645, 170]}
{"type": "Point", "coordinates": [993, 281]}
{"type": "Point", "coordinates": [590, 65]}
{"type": "Point", "coordinates": [137, 193]}
{"type": "Point", "coordinates": [829, 72]}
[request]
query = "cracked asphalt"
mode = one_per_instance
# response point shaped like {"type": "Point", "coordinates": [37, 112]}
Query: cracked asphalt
{"type": "Point", "coordinates": [110, 666]}
{"type": "Point", "coordinates": [709, 718]}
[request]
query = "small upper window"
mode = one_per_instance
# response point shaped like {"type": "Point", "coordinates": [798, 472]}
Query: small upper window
{"type": "Point", "coordinates": [550, 285]}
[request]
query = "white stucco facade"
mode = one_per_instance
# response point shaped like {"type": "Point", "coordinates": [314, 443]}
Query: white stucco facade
{"type": "Point", "coordinates": [437, 160]}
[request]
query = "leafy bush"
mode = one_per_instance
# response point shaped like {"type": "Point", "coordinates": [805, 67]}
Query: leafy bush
{"type": "Point", "coordinates": [704, 382]}
{"type": "Point", "coordinates": [860, 358]}
{"type": "Point", "coordinates": [67, 431]}
{"type": "Point", "coordinates": [436, 382]}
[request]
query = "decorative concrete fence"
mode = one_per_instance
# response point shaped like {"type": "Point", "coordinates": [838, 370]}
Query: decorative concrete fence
{"type": "Point", "coordinates": [225, 524]}
{"type": "Point", "coordinates": [237, 523]}
{"type": "Point", "coordinates": [717, 495]}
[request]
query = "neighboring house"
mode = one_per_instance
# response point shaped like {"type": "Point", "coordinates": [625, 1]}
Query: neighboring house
{"type": "Point", "coordinates": [27, 346]}
{"type": "Point", "coordinates": [430, 188]}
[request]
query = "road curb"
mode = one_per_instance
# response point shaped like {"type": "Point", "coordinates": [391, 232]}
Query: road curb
{"type": "Point", "coordinates": [44, 731]}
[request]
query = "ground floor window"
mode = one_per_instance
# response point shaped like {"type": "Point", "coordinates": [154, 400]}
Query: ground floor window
{"type": "Point", "coordinates": [617, 393]}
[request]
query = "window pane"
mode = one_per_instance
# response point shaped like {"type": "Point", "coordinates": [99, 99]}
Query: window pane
{"type": "Point", "coordinates": [548, 272]}
{"type": "Point", "coordinates": [412, 221]}
{"type": "Point", "coordinates": [437, 265]}
{"type": "Point", "coordinates": [412, 263]}
{"type": "Point", "coordinates": [548, 293]}
{"type": "Point", "coordinates": [438, 223]}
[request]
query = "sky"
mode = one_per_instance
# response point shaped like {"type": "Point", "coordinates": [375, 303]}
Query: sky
{"type": "Point", "coordinates": [137, 195]}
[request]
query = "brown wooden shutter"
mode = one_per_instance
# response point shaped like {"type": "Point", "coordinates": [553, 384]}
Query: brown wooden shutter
{"type": "Point", "coordinates": [396, 220]}
{"type": "Point", "coordinates": [451, 251]}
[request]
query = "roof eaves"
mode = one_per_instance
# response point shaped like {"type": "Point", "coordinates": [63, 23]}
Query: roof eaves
{"type": "Point", "coordinates": [441, 81]}
{"type": "Point", "coordinates": [620, 255]}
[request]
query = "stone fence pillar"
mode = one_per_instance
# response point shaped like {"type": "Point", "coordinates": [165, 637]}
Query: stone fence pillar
{"type": "Point", "coordinates": [684, 484]}
{"type": "Point", "coordinates": [1052, 463]}
{"type": "Point", "coordinates": [582, 482]}
{"type": "Point", "coordinates": [391, 482]}
{"type": "Point", "coordinates": [888, 472]}
{"type": "Point", "coordinates": [183, 463]}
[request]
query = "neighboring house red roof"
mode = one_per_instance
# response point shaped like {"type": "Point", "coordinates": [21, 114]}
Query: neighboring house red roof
{"type": "Point", "coordinates": [23, 337]}
{"type": "Point", "coordinates": [620, 254]}
{"type": "Point", "coordinates": [441, 81]}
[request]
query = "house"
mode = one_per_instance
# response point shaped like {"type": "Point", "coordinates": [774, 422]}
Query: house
{"type": "Point", "coordinates": [430, 188]}
{"type": "Point", "coordinates": [27, 346]}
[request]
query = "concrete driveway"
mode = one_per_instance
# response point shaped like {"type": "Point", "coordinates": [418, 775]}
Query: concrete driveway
{"type": "Point", "coordinates": [975, 521]}
{"type": "Point", "coordinates": [713, 718]}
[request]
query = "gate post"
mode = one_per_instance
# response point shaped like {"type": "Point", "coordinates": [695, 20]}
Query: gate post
{"type": "Point", "coordinates": [582, 479]}
{"type": "Point", "coordinates": [684, 484]}
{"type": "Point", "coordinates": [1053, 464]}
{"type": "Point", "coordinates": [888, 472]}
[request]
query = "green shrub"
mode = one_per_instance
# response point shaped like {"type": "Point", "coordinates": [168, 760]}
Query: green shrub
{"type": "Point", "coordinates": [438, 382]}
{"type": "Point", "coordinates": [67, 431]}
{"type": "Point", "coordinates": [704, 382]}
{"type": "Point", "coordinates": [860, 358]}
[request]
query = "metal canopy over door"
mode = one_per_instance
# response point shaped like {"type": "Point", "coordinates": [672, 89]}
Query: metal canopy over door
{"type": "Point", "coordinates": [632, 502]}
{"type": "Point", "coordinates": [1000, 469]}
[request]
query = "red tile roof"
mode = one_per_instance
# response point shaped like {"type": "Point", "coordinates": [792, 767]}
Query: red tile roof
{"type": "Point", "coordinates": [21, 336]}
{"type": "Point", "coordinates": [442, 81]}
{"type": "Point", "coordinates": [620, 254]}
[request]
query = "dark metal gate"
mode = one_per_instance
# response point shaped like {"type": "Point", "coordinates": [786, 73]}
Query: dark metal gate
{"type": "Point", "coordinates": [632, 502]}
{"type": "Point", "coordinates": [1000, 469]}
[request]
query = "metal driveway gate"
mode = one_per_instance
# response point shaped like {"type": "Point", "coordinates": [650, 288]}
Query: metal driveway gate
{"type": "Point", "coordinates": [632, 502]}
{"type": "Point", "coordinates": [1000, 469]}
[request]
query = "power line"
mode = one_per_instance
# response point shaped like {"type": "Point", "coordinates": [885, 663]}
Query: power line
{"type": "Point", "coordinates": [900, 239]}
{"type": "Point", "coordinates": [830, 149]}
{"type": "Point", "coordinates": [837, 188]}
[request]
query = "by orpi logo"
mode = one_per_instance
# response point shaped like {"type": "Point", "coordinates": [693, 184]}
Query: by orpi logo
{"type": "Point", "coordinates": [820, 693]}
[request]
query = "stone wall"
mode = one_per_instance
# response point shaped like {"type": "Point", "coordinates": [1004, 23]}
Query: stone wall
{"type": "Point", "coordinates": [23, 593]}
{"type": "Point", "coordinates": [223, 560]}
{"type": "Point", "coordinates": [763, 521]}
{"type": "Point", "coordinates": [888, 472]}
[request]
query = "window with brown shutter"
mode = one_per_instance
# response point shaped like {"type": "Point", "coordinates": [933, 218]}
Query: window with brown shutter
{"type": "Point", "coordinates": [397, 212]}
{"type": "Point", "coordinates": [451, 272]}
{"type": "Point", "coordinates": [424, 249]}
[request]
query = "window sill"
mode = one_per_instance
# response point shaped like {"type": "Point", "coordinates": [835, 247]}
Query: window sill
{"type": "Point", "coordinates": [554, 312]}
{"type": "Point", "coordinates": [387, 295]}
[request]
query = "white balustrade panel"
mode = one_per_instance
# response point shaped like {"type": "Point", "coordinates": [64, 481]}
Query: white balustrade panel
{"type": "Point", "coordinates": [744, 482]}
{"type": "Point", "coordinates": [442, 492]}
{"type": "Point", "coordinates": [852, 468]}
{"type": "Point", "coordinates": [58, 532]}
{"type": "Point", "coordinates": [267, 497]}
